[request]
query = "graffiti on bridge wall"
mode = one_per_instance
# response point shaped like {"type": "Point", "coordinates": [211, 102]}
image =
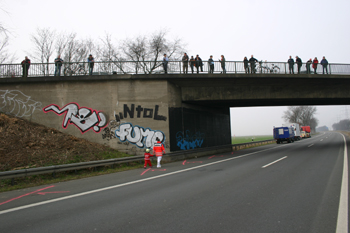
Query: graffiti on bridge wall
{"type": "Point", "coordinates": [137, 135]}
{"type": "Point", "coordinates": [83, 118]}
{"type": "Point", "coordinates": [189, 141]}
{"type": "Point", "coordinates": [140, 113]}
{"type": "Point", "coordinates": [18, 104]}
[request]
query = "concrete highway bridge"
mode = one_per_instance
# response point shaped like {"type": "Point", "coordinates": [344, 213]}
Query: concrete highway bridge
{"type": "Point", "coordinates": [128, 112]}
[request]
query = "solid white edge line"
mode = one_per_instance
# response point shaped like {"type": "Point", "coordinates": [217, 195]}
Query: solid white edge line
{"type": "Point", "coordinates": [274, 162]}
{"type": "Point", "coordinates": [128, 183]}
{"type": "Point", "coordinates": [342, 222]}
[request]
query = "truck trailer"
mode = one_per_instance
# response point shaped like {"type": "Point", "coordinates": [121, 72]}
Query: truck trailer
{"type": "Point", "coordinates": [307, 130]}
{"type": "Point", "coordinates": [283, 134]}
{"type": "Point", "coordinates": [296, 129]}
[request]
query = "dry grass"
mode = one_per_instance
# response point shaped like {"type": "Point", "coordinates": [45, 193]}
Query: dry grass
{"type": "Point", "coordinates": [26, 144]}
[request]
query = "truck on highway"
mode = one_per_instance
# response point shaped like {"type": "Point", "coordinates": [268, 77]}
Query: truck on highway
{"type": "Point", "coordinates": [296, 129]}
{"type": "Point", "coordinates": [307, 130]}
{"type": "Point", "coordinates": [283, 134]}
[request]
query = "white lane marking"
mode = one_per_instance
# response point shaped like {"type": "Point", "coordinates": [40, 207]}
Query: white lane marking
{"type": "Point", "coordinates": [274, 162]}
{"type": "Point", "coordinates": [128, 183]}
{"type": "Point", "coordinates": [311, 145]}
{"type": "Point", "coordinates": [321, 140]}
{"type": "Point", "coordinates": [342, 222]}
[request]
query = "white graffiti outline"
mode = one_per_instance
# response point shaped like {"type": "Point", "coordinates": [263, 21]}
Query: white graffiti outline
{"type": "Point", "coordinates": [20, 105]}
{"type": "Point", "coordinates": [138, 135]}
{"type": "Point", "coordinates": [83, 118]}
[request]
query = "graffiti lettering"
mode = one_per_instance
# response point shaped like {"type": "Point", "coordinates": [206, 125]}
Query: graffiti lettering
{"type": "Point", "coordinates": [83, 118]}
{"type": "Point", "coordinates": [16, 103]}
{"type": "Point", "coordinates": [188, 141]}
{"type": "Point", "coordinates": [138, 136]}
{"type": "Point", "coordinates": [140, 112]}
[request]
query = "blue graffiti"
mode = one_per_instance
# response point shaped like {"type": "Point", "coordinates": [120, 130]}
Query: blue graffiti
{"type": "Point", "coordinates": [137, 135]}
{"type": "Point", "coordinates": [189, 141]}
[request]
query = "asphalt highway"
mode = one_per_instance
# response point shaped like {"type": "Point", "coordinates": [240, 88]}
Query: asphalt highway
{"type": "Point", "coordinates": [293, 187]}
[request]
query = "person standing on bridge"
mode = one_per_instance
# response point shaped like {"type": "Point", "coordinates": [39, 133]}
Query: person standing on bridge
{"type": "Point", "coordinates": [314, 64]}
{"type": "Point", "coordinates": [185, 59]}
{"type": "Point", "coordinates": [91, 62]}
{"type": "Point", "coordinates": [246, 65]}
{"type": "Point", "coordinates": [291, 64]}
{"type": "Point", "coordinates": [25, 66]}
{"type": "Point", "coordinates": [223, 65]}
{"type": "Point", "coordinates": [252, 62]}
{"type": "Point", "coordinates": [199, 63]}
{"type": "Point", "coordinates": [308, 66]}
{"type": "Point", "coordinates": [192, 63]}
{"type": "Point", "coordinates": [211, 64]}
{"type": "Point", "coordinates": [158, 150]}
{"type": "Point", "coordinates": [165, 63]}
{"type": "Point", "coordinates": [299, 63]}
{"type": "Point", "coordinates": [58, 65]}
{"type": "Point", "coordinates": [324, 64]}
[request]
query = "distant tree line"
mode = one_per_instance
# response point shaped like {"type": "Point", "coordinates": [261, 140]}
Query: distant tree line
{"type": "Point", "coordinates": [342, 125]}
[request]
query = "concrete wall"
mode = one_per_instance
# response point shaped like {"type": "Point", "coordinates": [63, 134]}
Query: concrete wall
{"type": "Point", "coordinates": [94, 110]}
{"type": "Point", "coordinates": [122, 112]}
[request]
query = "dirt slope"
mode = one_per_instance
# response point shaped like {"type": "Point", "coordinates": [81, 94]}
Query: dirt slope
{"type": "Point", "coordinates": [25, 144]}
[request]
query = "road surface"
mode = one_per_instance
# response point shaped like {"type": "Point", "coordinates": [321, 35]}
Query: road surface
{"type": "Point", "coordinates": [294, 187]}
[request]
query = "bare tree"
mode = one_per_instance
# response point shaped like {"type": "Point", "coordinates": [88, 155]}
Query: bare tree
{"type": "Point", "coordinates": [4, 42]}
{"type": "Point", "coordinates": [108, 53]}
{"type": "Point", "coordinates": [307, 116]}
{"type": "Point", "coordinates": [74, 53]}
{"type": "Point", "coordinates": [44, 41]}
{"type": "Point", "coordinates": [292, 115]}
{"type": "Point", "coordinates": [146, 52]}
{"type": "Point", "coordinates": [5, 56]}
{"type": "Point", "coordinates": [303, 115]}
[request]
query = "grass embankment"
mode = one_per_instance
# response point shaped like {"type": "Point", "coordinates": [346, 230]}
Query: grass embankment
{"type": "Point", "coordinates": [26, 145]}
{"type": "Point", "coordinates": [245, 139]}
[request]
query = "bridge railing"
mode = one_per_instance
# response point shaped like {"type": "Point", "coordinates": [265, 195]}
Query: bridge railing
{"type": "Point", "coordinates": [156, 67]}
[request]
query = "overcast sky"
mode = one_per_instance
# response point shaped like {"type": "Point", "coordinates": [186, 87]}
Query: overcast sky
{"type": "Point", "coordinates": [270, 30]}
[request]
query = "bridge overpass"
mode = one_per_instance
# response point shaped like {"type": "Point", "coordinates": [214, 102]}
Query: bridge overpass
{"type": "Point", "coordinates": [128, 112]}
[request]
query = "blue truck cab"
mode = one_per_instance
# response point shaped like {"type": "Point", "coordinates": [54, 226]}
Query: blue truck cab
{"type": "Point", "coordinates": [283, 134]}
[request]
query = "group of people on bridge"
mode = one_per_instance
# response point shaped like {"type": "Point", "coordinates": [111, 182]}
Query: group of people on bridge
{"type": "Point", "coordinates": [196, 62]}
{"type": "Point", "coordinates": [308, 64]}
{"type": "Point", "coordinates": [249, 65]}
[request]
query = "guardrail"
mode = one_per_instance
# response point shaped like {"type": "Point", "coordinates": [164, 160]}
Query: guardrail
{"type": "Point", "coordinates": [174, 156]}
{"type": "Point", "coordinates": [155, 67]}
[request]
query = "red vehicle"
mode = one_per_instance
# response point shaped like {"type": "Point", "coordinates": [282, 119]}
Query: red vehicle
{"type": "Point", "coordinates": [307, 130]}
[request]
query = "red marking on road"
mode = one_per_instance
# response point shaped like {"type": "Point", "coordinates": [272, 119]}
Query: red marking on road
{"type": "Point", "coordinates": [145, 171]}
{"type": "Point", "coordinates": [184, 162]}
{"type": "Point", "coordinates": [152, 170]}
{"type": "Point", "coordinates": [26, 195]}
{"type": "Point", "coordinates": [43, 193]}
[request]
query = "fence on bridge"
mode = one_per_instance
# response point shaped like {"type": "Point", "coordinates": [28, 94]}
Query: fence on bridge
{"type": "Point", "coordinates": [155, 67]}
